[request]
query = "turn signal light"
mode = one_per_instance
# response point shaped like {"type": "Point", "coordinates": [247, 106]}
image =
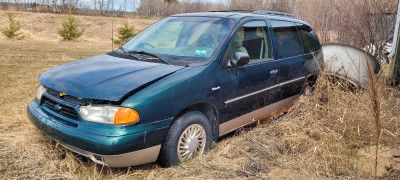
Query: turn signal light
{"type": "Point", "coordinates": [126, 116]}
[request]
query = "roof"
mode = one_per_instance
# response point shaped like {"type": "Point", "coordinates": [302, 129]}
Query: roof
{"type": "Point", "coordinates": [238, 16]}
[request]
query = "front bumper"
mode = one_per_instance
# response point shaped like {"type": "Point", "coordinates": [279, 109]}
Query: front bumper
{"type": "Point", "coordinates": [114, 151]}
{"type": "Point", "coordinates": [142, 156]}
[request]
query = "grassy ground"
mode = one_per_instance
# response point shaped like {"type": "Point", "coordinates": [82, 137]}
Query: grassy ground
{"type": "Point", "coordinates": [43, 26]}
{"type": "Point", "coordinates": [326, 135]}
{"type": "Point", "coordinates": [21, 62]}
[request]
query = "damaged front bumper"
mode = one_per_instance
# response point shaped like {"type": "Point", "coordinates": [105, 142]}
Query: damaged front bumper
{"type": "Point", "coordinates": [113, 151]}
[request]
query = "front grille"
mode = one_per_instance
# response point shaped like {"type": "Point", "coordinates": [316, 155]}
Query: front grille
{"type": "Point", "coordinates": [64, 110]}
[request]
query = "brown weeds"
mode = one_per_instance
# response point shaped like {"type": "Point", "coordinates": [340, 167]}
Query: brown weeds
{"type": "Point", "coordinates": [319, 137]}
{"type": "Point", "coordinates": [376, 111]}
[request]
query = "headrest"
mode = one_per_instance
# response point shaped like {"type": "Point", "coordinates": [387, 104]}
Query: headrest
{"type": "Point", "coordinates": [205, 40]}
{"type": "Point", "coordinates": [251, 34]}
{"type": "Point", "coordinates": [237, 42]}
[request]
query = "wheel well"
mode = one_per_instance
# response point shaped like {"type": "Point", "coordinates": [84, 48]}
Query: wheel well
{"type": "Point", "coordinates": [210, 111]}
{"type": "Point", "coordinates": [312, 79]}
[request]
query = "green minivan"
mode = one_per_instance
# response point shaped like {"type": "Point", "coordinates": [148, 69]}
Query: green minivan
{"type": "Point", "coordinates": [175, 88]}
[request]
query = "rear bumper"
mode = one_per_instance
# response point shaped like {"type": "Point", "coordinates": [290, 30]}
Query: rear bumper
{"type": "Point", "coordinates": [114, 151]}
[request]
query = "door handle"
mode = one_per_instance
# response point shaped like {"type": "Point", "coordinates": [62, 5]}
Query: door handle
{"type": "Point", "coordinates": [273, 72]}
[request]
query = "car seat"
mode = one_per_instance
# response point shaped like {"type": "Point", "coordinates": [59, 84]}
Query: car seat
{"type": "Point", "coordinates": [205, 40]}
{"type": "Point", "coordinates": [237, 45]}
{"type": "Point", "coordinates": [253, 43]}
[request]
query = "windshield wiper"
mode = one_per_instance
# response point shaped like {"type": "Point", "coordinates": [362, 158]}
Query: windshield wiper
{"type": "Point", "coordinates": [125, 52]}
{"type": "Point", "coordinates": [146, 53]}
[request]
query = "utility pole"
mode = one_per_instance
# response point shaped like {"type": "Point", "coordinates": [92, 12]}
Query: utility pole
{"type": "Point", "coordinates": [395, 53]}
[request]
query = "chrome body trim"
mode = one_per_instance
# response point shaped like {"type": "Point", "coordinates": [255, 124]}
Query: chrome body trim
{"type": "Point", "coordinates": [138, 157]}
{"type": "Point", "coordinates": [262, 90]}
{"type": "Point", "coordinates": [251, 117]}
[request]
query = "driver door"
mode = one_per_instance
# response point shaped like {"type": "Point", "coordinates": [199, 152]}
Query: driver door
{"type": "Point", "coordinates": [254, 85]}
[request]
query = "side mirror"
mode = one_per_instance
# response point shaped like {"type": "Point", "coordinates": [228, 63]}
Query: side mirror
{"type": "Point", "coordinates": [240, 59]}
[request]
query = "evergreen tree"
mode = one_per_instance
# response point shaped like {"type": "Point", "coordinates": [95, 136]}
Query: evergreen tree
{"type": "Point", "coordinates": [125, 33]}
{"type": "Point", "coordinates": [12, 30]}
{"type": "Point", "coordinates": [70, 25]}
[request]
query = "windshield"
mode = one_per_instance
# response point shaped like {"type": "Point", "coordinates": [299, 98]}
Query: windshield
{"type": "Point", "coordinates": [182, 38]}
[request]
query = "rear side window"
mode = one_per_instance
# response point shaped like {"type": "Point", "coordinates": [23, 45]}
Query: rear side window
{"type": "Point", "coordinates": [289, 40]}
{"type": "Point", "coordinates": [309, 38]}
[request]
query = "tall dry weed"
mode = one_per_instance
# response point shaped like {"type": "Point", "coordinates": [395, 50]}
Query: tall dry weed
{"type": "Point", "coordinates": [324, 131]}
{"type": "Point", "coordinates": [376, 110]}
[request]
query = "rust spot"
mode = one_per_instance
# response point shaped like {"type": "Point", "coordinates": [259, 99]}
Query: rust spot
{"type": "Point", "coordinates": [277, 113]}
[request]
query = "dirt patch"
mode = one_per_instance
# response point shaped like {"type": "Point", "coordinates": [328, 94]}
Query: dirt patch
{"type": "Point", "coordinates": [388, 160]}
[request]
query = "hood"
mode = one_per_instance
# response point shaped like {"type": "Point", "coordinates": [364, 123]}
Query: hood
{"type": "Point", "coordinates": [104, 77]}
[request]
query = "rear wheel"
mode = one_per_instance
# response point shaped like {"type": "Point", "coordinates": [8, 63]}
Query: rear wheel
{"type": "Point", "coordinates": [189, 136]}
{"type": "Point", "coordinates": [308, 87]}
{"type": "Point", "coordinates": [307, 90]}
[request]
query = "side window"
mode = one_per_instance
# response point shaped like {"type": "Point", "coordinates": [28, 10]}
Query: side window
{"type": "Point", "coordinates": [309, 38]}
{"type": "Point", "coordinates": [254, 39]}
{"type": "Point", "coordinates": [289, 41]}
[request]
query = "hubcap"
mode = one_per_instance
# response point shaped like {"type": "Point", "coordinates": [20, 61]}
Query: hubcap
{"type": "Point", "coordinates": [191, 142]}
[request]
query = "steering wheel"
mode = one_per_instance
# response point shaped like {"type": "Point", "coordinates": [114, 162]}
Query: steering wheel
{"type": "Point", "coordinates": [143, 44]}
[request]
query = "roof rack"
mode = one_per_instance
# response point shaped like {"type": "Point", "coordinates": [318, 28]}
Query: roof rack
{"type": "Point", "coordinates": [234, 10]}
{"type": "Point", "coordinates": [273, 13]}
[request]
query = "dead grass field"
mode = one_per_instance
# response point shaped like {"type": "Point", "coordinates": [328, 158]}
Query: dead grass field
{"type": "Point", "coordinates": [327, 135]}
{"type": "Point", "coordinates": [43, 26]}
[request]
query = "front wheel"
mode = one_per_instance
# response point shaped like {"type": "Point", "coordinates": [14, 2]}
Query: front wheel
{"type": "Point", "coordinates": [189, 136]}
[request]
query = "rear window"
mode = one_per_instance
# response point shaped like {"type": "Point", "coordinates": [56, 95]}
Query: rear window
{"type": "Point", "coordinates": [309, 38]}
{"type": "Point", "coordinates": [289, 40]}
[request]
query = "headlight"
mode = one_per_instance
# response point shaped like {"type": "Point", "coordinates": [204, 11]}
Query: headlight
{"type": "Point", "coordinates": [39, 93]}
{"type": "Point", "coordinates": [109, 114]}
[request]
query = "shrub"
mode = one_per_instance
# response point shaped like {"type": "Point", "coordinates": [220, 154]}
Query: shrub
{"type": "Point", "coordinates": [124, 34]}
{"type": "Point", "coordinates": [12, 30]}
{"type": "Point", "coordinates": [70, 25]}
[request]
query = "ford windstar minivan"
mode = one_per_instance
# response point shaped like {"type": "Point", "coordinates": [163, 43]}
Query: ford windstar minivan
{"type": "Point", "coordinates": [175, 88]}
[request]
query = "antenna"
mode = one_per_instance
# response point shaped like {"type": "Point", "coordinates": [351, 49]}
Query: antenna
{"type": "Point", "coordinates": [112, 26]}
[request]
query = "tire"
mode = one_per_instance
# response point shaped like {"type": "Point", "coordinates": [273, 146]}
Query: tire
{"type": "Point", "coordinates": [186, 124]}
{"type": "Point", "coordinates": [308, 88]}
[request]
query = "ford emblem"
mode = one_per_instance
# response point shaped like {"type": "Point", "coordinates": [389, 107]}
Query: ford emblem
{"type": "Point", "coordinates": [57, 107]}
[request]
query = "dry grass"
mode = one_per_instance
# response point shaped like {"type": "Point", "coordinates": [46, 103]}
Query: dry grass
{"type": "Point", "coordinates": [328, 134]}
{"type": "Point", "coordinates": [319, 137]}
{"type": "Point", "coordinates": [43, 26]}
